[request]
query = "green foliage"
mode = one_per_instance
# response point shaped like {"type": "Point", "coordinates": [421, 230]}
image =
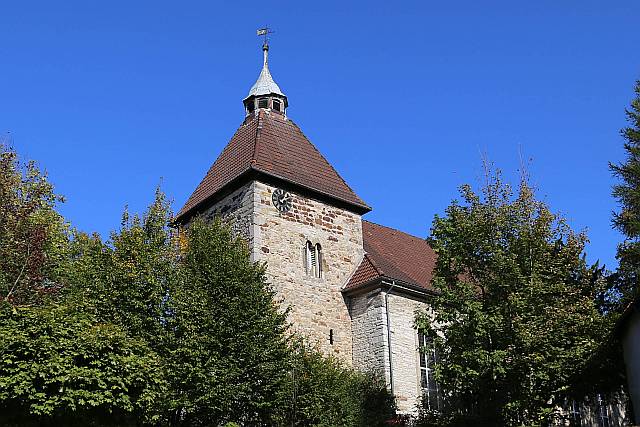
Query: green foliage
{"type": "Point", "coordinates": [154, 327]}
{"type": "Point", "coordinates": [516, 318]}
{"type": "Point", "coordinates": [627, 192]}
{"type": "Point", "coordinates": [227, 356]}
{"type": "Point", "coordinates": [60, 367]}
{"type": "Point", "coordinates": [327, 393]}
{"type": "Point", "coordinates": [33, 236]}
{"type": "Point", "coordinates": [126, 281]}
{"type": "Point", "coordinates": [60, 363]}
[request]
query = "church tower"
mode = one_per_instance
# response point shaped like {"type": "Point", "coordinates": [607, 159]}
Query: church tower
{"type": "Point", "coordinates": [294, 210]}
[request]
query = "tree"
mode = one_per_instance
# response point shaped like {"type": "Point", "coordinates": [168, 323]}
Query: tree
{"type": "Point", "coordinates": [60, 364]}
{"type": "Point", "coordinates": [627, 192]}
{"type": "Point", "coordinates": [197, 300]}
{"type": "Point", "coordinates": [33, 236]}
{"type": "Point", "coordinates": [228, 355]}
{"type": "Point", "coordinates": [154, 326]}
{"type": "Point", "coordinates": [127, 279]}
{"type": "Point", "coordinates": [516, 316]}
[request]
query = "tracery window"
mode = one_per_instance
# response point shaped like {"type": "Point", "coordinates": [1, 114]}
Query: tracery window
{"type": "Point", "coordinates": [428, 357]}
{"type": "Point", "coordinates": [313, 259]}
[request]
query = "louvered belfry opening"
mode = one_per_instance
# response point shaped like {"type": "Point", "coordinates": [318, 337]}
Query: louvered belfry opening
{"type": "Point", "coordinates": [313, 259]}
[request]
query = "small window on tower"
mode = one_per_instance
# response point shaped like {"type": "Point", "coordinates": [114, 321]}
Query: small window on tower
{"type": "Point", "coordinates": [263, 103]}
{"type": "Point", "coordinates": [313, 259]}
{"type": "Point", "coordinates": [276, 105]}
{"type": "Point", "coordinates": [318, 272]}
{"type": "Point", "coordinates": [251, 106]}
{"type": "Point", "coordinates": [309, 260]}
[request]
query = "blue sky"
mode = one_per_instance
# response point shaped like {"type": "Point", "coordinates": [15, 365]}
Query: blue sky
{"type": "Point", "coordinates": [402, 97]}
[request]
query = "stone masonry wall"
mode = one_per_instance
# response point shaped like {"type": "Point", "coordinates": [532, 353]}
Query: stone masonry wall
{"type": "Point", "coordinates": [237, 209]}
{"type": "Point", "coordinates": [404, 350]}
{"type": "Point", "coordinates": [369, 330]}
{"type": "Point", "coordinates": [317, 305]}
{"type": "Point", "coordinates": [371, 342]}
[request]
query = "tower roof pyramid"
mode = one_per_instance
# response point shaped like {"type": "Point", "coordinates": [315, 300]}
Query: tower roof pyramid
{"type": "Point", "coordinates": [269, 147]}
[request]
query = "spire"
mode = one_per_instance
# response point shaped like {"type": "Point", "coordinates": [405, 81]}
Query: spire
{"type": "Point", "coordinates": [265, 93]}
{"type": "Point", "coordinates": [265, 85]}
{"type": "Point", "coordinates": [265, 55]}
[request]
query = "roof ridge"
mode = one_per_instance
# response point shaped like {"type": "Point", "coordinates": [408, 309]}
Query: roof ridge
{"type": "Point", "coordinates": [256, 138]}
{"type": "Point", "coordinates": [329, 163]}
{"type": "Point", "coordinates": [276, 147]}
{"type": "Point", "coordinates": [394, 229]}
{"type": "Point", "coordinates": [374, 264]}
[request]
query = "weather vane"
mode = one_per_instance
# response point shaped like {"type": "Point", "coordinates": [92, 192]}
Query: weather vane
{"type": "Point", "coordinates": [265, 32]}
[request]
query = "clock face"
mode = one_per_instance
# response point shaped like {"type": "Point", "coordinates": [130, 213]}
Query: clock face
{"type": "Point", "coordinates": [281, 200]}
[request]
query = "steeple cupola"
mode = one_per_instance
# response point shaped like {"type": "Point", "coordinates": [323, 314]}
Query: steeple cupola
{"type": "Point", "coordinates": [265, 94]}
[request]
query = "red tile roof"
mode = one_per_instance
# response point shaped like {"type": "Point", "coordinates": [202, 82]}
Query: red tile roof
{"type": "Point", "coordinates": [365, 273]}
{"type": "Point", "coordinates": [275, 146]}
{"type": "Point", "coordinates": [394, 255]}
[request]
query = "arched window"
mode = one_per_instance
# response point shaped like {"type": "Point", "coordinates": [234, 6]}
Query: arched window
{"type": "Point", "coordinates": [318, 260]}
{"type": "Point", "coordinates": [309, 255]}
{"type": "Point", "coordinates": [313, 259]}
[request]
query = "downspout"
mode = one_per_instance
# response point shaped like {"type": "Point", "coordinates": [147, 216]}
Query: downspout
{"type": "Point", "coordinates": [386, 307]}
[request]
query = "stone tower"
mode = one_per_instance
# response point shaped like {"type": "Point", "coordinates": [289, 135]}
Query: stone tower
{"type": "Point", "coordinates": [295, 211]}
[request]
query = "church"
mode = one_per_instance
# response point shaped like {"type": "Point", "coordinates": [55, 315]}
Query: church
{"type": "Point", "coordinates": [352, 286]}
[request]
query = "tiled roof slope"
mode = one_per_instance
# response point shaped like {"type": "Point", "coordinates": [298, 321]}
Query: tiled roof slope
{"type": "Point", "coordinates": [394, 255]}
{"type": "Point", "coordinates": [272, 144]}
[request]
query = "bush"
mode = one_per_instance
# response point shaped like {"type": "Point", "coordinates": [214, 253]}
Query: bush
{"type": "Point", "coordinates": [61, 367]}
{"type": "Point", "coordinates": [325, 392]}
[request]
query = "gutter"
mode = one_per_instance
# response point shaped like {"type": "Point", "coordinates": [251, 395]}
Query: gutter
{"type": "Point", "coordinates": [408, 288]}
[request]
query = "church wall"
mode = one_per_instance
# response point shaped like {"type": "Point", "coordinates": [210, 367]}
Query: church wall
{"type": "Point", "coordinates": [371, 343]}
{"type": "Point", "coordinates": [236, 209]}
{"type": "Point", "coordinates": [404, 348]}
{"type": "Point", "coordinates": [317, 305]}
{"type": "Point", "coordinates": [369, 330]}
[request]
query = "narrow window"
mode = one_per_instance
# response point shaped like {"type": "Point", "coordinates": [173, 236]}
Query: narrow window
{"type": "Point", "coordinates": [276, 105]}
{"type": "Point", "coordinates": [331, 336]}
{"type": "Point", "coordinates": [313, 259]}
{"type": "Point", "coordinates": [318, 272]}
{"type": "Point", "coordinates": [308, 250]}
{"type": "Point", "coordinates": [428, 357]}
{"type": "Point", "coordinates": [262, 103]}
